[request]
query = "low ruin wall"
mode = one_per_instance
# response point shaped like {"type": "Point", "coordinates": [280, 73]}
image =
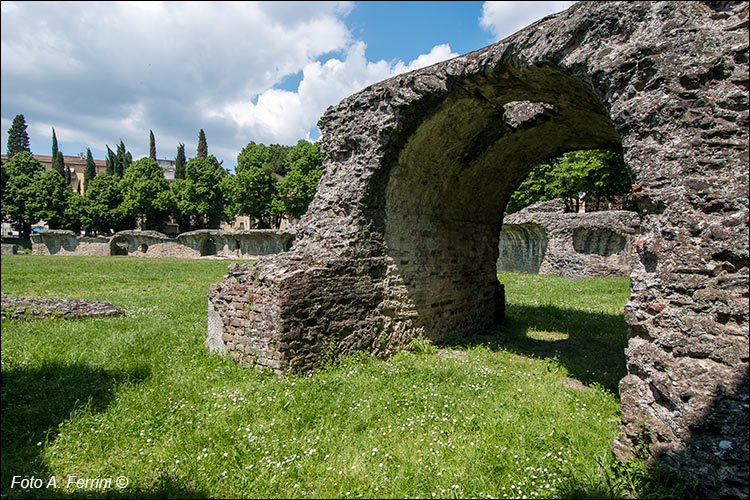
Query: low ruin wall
{"type": "Point", "coordinates": [542, 239]}
{"type": "Point", "coordinates": [194, 244]}
{"type": "Point", "coordinates": [63, 242]}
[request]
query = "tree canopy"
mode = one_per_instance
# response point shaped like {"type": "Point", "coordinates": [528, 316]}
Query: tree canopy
{"type": "Point", "coordinates": [145, 193]}
{"type": "Point", "coordinates": [21, 202]}
{"type": "Point", "coordinates": [102, 211]}
{"type": "Point", "coordinates": [598, 176]}
{"type": "Point", "coordinates": [201, 197]}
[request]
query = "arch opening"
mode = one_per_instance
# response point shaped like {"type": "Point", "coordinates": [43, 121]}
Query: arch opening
{"type": "Point", "coordinates": [208, 247]}
{"type": "Point", "coordinates": [449, 184]}
{"type": "Point", "coordinates": [118, 246]}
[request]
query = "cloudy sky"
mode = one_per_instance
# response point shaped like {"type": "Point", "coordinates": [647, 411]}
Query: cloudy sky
{"type": "Point", "coordinates": [101, 72]}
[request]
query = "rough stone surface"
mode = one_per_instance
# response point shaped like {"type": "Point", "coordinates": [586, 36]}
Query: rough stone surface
{"type": "Point", "coordinates": [401, 238]}
{"type": "Point", "coordinates": [194, 244]}
{"type": "Point", "coordinates": [8, 249]}
{"type": "Point", "coordinates": [28, 307]}
{"type": "Point", "coordinates": [542, 239]}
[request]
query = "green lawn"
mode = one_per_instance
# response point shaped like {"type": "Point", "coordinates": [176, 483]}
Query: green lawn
{"type": "Point", "coordinates": [497, 415]}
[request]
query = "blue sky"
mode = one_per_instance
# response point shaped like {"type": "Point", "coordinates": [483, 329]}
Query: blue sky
{"type": "Point", "coordinates": [101, 72]}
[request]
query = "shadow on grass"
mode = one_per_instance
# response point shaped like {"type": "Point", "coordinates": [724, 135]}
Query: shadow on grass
{"type": "Point", "coordinates": [35, 401]}
{"type": "Point", "coordinates": [589, 344]}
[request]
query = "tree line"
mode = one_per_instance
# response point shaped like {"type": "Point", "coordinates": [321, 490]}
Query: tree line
{"type": "Point", "coordinates": [270, 182]}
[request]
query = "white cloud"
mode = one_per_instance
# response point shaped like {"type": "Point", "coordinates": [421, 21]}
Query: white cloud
{"type": "Point", "coordinates": [136, 66]}
{"type": "Point", "coordinates": [505, 18]}
{"type": "Point", "coordinates": [285, 116]}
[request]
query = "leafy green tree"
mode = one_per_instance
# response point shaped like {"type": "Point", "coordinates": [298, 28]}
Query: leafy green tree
{"type": "Point", "coordinates": [73, 215]}
{"type": "Point", "coordinates": [202, 145]}
{"type": "Point", "coordinates": [18, 139]}
{"type": "Point", "coordinates": [152, 145]}
{"type": "Point", "coordinates": [110, 162]}
{"type": "Point", "coordinates": [90, 171]}
{"type": "Point", "coordinates": [3, 180]}
{"type": "Point", "coordinates": [179, 162]}
{"type": "Point", "coordinates": [296, 190]}
{"type": "Point", "coordinates": [254, 185]}
{"type": "Point", "coordinates": [277, 159]}
{"type": "Point", "coordinates": [599, 175]}
{"type": "Point", "coordinates": [102, 211]}
{"type": "Point", "coordinates": [146, 194]}
{"type": "Point", "coordinates": [201, 197]}
{"type": "Point", "coordinates": [21, 203]}
{"type": "Point", "coordinates": [53, 194]}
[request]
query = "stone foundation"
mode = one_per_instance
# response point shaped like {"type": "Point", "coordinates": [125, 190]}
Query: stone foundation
{"type": "Point", "coordinates": [34, 308]}
{"type": "Point", "coordinates": [542, 239]}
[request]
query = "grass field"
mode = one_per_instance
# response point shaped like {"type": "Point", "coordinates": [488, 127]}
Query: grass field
{"type": "Point", "coordinates": [528, 409]}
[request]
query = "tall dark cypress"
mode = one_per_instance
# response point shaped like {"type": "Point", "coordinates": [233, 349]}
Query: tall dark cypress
{"type": "Point", "coordinates": [122, 163]}
{"type": "Point", "coordinates": [110, 169]}
{"type": "Point", "coordinates": [202, 145]}
{"type": "Point", "coordinates": [152, 146]}
{"type": "Point", "coordinates": [90, 171]}
{"type": "Point", "coordinates": [54, 145]}
{"type": "Point", "coordinates": [179, 162]}
{"type": "Point", "coordinates": [58, 165]}
{"type": "Point", "coordinates": [18, 139]}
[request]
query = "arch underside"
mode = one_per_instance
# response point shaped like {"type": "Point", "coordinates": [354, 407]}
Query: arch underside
{"type": "Point", "coordinates": [449, 185]}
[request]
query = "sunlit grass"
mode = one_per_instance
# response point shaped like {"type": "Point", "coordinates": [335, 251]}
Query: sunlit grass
{"type": "Point", "coordinates": [139, 396]}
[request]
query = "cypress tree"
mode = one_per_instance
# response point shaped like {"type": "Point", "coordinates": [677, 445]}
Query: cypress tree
{"type": "Point", "coordinates": [54, 146]}
{"type": "Point", "coordinates": [123, 160]}
{"type": "Point", "coordinates": [202, 145]}
{"type": "Point", "coordinates": [110, 162]}
{"type": "Point", "coordinates": [18, 139]}
{"type": "Point", "coordinates": [152, 146]}
{"type": "Point", "coordinates": [179, 162]}
{"type": "Point", "coordinates": [58, 164]}
{"type": "Point", "coordinates": [90, 171]}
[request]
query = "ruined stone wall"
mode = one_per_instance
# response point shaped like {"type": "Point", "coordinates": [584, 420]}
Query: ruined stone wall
{"type": "Point", "coordinates": [542, 239]}
{"type": "Point", "coordinates": [394, 245]}
{"type": "Point", "coordinates": [63, 242]}
{"type": "Point", "coordinates": [194, 244]}
{"type": "Point", "coordinates": [8, 249]}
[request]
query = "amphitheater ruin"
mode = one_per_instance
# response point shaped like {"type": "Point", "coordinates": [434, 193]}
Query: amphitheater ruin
{"type": "Point", "coordinates": [401, 239]}
{"type": "Point", "coordinates": [194, 244]}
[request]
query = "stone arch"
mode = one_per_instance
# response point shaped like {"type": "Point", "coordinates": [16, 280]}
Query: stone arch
{"type": "Point", "coordinates": [375, 261]}
{"type": "Point", "coordinates": [208, 246]}
{"type": "Point", "coordinates": [119, 245]}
